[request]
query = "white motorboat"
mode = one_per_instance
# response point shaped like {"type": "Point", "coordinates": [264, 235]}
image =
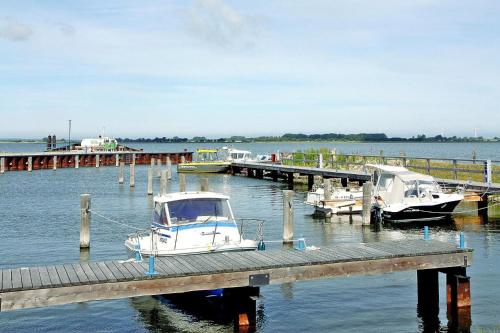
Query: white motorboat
{"type": "Point", "coordinates": [239, 156]}
{"type": "Point", "coordinates": [190, 223]}
{"type": "Point", "coordinates": [406, 196]}
{"type": "Point", "coordinates": [342, 201]}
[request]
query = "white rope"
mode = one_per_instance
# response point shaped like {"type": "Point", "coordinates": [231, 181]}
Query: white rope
{"type": "Point", "coordinates": [114, 221]}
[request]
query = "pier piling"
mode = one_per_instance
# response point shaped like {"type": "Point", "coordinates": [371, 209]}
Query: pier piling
{"type": "Point", "coordinates": [2, 165]}
{"type": "Point", "coordinates": [117, 160]}
{"type": "Point", "coordinates": [367, 202]}
{"type": "Point", "coordinates": [287, 216]}
{"type": "Point", "coordinates": [169, 168]}
{"type": "Point", "coordinates": [54, 163]}
{"type": "Point", "coordinates": [150, 181]}
{"type": "Point", "coordinates": [158, 168]}
{"type": "Point", "coordinates": [132, 175]}
{"type": "Point", "coordinates": [30, 163]}
{"type": "Point", "coordinates": [163, 182]}
{"type": "Point", "coordinates": [182, 182]}
{"type": "Point", "coordinates": [327, 189]}
{"type": "Point", "coordinates": [85, 221]}
{"type": "Point", "coordinates": [204, 184]}
{"type": "Point", "coordinates": [77, 161]}
{"type": "Point", "coordinates": [97, 161]}
{"type": "Point", "coordinates": [183, 159]}
{"type": "Point", "coordinates": [121, 173]}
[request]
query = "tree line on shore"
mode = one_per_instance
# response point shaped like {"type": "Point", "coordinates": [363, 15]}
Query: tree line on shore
{"type": "Point", "coordinates": [360, 137]}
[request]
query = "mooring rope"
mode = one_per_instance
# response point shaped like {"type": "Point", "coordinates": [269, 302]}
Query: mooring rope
{"type": "Point", "coordinates": [115, 221]}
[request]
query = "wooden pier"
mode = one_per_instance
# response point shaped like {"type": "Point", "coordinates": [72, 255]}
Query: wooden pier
{"type": "Point", "coordinates": [29, 287]}
{"type": "Point", "coordinates": [71, 159]}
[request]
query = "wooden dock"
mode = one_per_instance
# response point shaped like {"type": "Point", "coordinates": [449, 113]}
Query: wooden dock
{"type": "Point", "coordinates": [42, 286]}
{"type": "Point", "coordinates": [75, 159]}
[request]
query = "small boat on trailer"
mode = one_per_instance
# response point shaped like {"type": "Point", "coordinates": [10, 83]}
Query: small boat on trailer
{"type": "Point", "coordinates": [206, 161]}
{"type": "Point", "coordinates": [192, 223]}
{"type": "Point", "coordinates": [402, 195]}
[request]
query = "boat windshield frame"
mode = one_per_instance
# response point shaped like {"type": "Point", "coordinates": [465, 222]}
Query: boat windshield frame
{"type": "Point", "coordinates": [197, 213]}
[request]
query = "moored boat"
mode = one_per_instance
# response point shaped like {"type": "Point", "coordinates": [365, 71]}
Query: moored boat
{"type": "Point", "coordinates": [206, 161]}
{"type": "Point", "coordinates": [406, 196]}
{"type": "Point", "coordinates": [191, 223]}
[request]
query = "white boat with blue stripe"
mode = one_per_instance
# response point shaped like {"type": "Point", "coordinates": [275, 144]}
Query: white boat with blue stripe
{"type": "Point", "coordinates": [190, 223]}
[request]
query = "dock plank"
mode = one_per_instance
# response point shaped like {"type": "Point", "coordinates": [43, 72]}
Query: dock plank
{"type": "Point", "coordinates": [53, 276]}
{"type": "Point", "coordinates": [116, 272]}
{"type": "Point", "coordinates": [16, 279]}
{"type": "Point", "coordinates": [101, 277]}
{"type": "Point", "coordinates": [92, 278]}
{"type": "Point", "coordinates": [26, 278]}
{"type": "Point", "coordinates": [107, 272]}
{"type": "Point", "coordinates": [63, 276]}
{"type": "Point", "coordinates": [44, 276]}
{"type": "Point", "coordinates": [6, 279]}
{"type": "Point", "coordinates": [72, 276]}
{"type": "Point", "coordinates": [171, 265]}
{"type": "Point", "coordinates": [123, 270]}
{"type": "Point", "coordinates": [80, 273]}
{"type": "Point", "coordinates": [35, 277]}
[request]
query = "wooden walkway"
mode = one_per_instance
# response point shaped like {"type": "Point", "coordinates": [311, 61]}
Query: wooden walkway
{"type": "Point", "coordinates": [273, 170]}
{"type": "Point", "coordinates": [88, 281]}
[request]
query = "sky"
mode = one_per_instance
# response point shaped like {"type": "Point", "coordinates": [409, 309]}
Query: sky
{"type": "Point", "coordinates": [216, 68]}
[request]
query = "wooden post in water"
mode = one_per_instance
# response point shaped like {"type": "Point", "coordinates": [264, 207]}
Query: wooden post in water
{"type": "Point", "coordinates": [183, 159]}
{"type": "Point", "coordinates": [204, 184]}
{"type": "Point", "coordinates": [117, 160]}
{"type": "Point", "coordinates": [287, 216]}
{"type": "Point", "coordinates": [163, 182]}
{"type": "Point", "coordinates": [133, 158]}
{"type": "Point", "coordinates": [169, 168]}
{"type": "Point", "coordinates": [54, 163]}
{"type": "Point", "coordinates": [132, 175]}
{"type": "Point", "coordinates": [97, 160]}
{"type": "Point", "coordinates": [153, 162]}
{"type": "Point", "coordinates": [182, 182]}
{"type": "Point", "coordinates": [121, 173]}
{"type": "Point", "coordinates": [2, 165]}
{"type": "Point", "coordinates": [158, 167]}
{"type": "Point", "coordinates": [77, 161]}
{"type": "Point", "coordinates": [150, 181]}
{"type": "Point", "coordinates": [84, 221]}
{"type": "Point", "coordinates": [367, 202]}
{"type": "Point", "coordinates": [30, 163]}
{"type": "Point", "coordinates": [327, 189]}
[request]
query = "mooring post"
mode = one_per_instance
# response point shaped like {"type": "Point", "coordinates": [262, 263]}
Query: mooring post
{"type": "Point", "coordinates": [152, 161]}
{"type": "Point", "coordinates": [30, 163]}
{"type": "Point", "coordinates": [183, 159]}
{"type": "Point", "coordinates": [117, 160]}
{"type": "Point", "coordinates": [77, 161]}
{"type": "Point", "coordinates": [169, 168]}
{"type": "Point", "coordinates": [367, 202]}
{"type": "Point", "coordinates": [204, 184]}
{"type": "Point", "coordinates": [54, 162]}
{"type": "Point", "coordinates": [84, 221]}
{"type": "Point", "coordinates": [327, 189]}
{"type": "Point", "coordinates": [182, 182]}
{"type": "Point", "coordinates": [121, 173]}
{"type": "Point", "coordinates": [287, 216]}
{"type": "Point", "coordinates": [2, 165]}
{"type": "Point", "coordinates": [97, 160]}
{"type": "Point", "coordinates": [132, 175]}
{"type": "Point", "coordinates": [320, 161]}
{"type": "Point", "coordinates": [158, 167]}
{"type": "Point", "coordinates": [163, 182]}
{"type": "Point", "coordinates": [133, 158]}
{"type": "Point", "coordinates": [150, 181]}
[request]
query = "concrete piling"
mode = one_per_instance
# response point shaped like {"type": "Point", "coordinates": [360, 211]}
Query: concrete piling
{"type": "Point", "coordinates": [158, 168]}
{"type": "Point", "coordinates": [117, 160]}
{"type": "Point", "coordinates": [2, 165]}
{"type": "Point", "coordinates": [30, 163]}
{"type": "Point", "coordinates": [84, 221]}
{"type": "Point", "coordinates": [287, 216]}
{"type": "Point", "coordinates": [54, 163]}
{"type": "Point", "coordinates": [327, 189]}
{"type": "Point", "coordinates": [77, 161]}
{"type": "Point", "coordinates": [183, 159]}
{"type": "Point", "coordinates": [97, 160]}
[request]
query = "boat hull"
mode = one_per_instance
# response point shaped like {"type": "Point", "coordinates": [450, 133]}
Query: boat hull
{"type": "Point", "coordinates": [200, 167]}
{"type": "Point", "coordinates": [422, 213]}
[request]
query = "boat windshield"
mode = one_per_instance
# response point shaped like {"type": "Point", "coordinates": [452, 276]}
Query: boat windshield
{"type": "Point", "coordinates": [198, 210]}
{"type": "Point", "coordinates": [420, 188]}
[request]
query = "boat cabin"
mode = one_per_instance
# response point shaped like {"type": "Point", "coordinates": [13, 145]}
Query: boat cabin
{"type": "Point", "coordinates": [236, 155]}
{"type": "Point", "coordinates": [397, 184]}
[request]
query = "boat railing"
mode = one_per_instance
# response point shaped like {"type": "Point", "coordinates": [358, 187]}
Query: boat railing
{"type": "Point", "coordinates": [259, 223]}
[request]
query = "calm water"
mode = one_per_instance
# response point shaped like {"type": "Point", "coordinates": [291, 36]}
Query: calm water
{"type": "Point", "coordinates": [39, 213]}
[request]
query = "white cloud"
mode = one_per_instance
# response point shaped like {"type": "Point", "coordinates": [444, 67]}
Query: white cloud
{"type": "Point", "coordinates": [13, 30]}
